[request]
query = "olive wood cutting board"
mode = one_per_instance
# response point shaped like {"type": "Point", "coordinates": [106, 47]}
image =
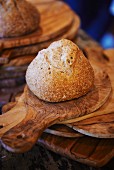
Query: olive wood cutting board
{"type": "Point", "coordinates": [24, 123]}
{"type": "Point", "coordinates": [63, 131]}
{"type": "Point", "coordinates": [57, 129]}
{"type": "Point", "coordinates": [88, 150]}
{"type": "Point", "coordinates": [100, 125]}
{"type": "Point", "coordinates": [51, 25]}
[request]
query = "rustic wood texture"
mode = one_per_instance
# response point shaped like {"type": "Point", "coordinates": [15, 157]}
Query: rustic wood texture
{"type": "Point", "coordinates": [100, 126]}
{"type": "Point", "coordinates": [34, 48]}
{"type": "Point", "coordinates": [51, 25]}
{"type": "Point", "coordinates": [57, 129]}
{"type": "Point", "coordinates": [88, 150]}
{"type": "Point", "coordinates": [62, 130]}
{"type": "Point", "coordinates": [21, 135]}
{"type": "Point", "coordinates": [63, 146]}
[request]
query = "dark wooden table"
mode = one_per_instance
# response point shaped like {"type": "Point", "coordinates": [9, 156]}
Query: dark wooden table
{"type": "Point", "coordinates": [40, 158]}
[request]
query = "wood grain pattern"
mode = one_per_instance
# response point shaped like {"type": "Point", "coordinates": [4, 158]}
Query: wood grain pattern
{"type": "Point", "coordinates": [34, 48]}
{"type": "Point", "coordinates": [63, 145]}
{"type": "Point", "coordinates": [51, 25]}
{"type": "Point", "coordinates": [87, 150]}
{"type": "Point", "coordinates": [57, 129]}
{"type": "Point", "coordinates": [100, 126]}
{"type": "Point", "coordinates": [63, 131]}
{"type": "Point", "coordinates": [100, 150]}
{"type": "Point", "coordinates": [23, 133]}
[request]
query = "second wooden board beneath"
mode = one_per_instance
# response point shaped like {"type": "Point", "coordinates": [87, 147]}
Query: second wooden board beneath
{"type": "Point", "coordinates": [55, 21]}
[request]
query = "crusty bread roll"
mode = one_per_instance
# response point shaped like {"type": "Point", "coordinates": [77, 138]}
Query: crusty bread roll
{"type": "Point", "coordinates": [17, 18]}
{"type": "Point", "coordinates": [59, 73]}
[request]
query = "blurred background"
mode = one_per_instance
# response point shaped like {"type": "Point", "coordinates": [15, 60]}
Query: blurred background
{"type": "Point", "coordinates": [97, 19]}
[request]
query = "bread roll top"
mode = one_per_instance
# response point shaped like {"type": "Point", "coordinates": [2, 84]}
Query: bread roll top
{"type": "Point", "coordinates": [59, 73]}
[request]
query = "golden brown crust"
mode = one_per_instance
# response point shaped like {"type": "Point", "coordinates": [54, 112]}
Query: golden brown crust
{"type": "Point", "coordinates": [17, 17]}
{"type": "Point", "coordinates": [59, 73]}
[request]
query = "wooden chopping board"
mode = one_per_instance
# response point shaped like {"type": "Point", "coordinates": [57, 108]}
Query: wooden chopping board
{"type": "Point", "coordinates": [57, 129]}
{"type": "Point", "coordinates": [88, 150]}
{"type": "Point", "coordinates": [51, 25]}
{"type": "Point", "coordinates": [96, 153]}
{"type": "Point", "coordinates": [62, 131]}
{"type": "Point", "coordinates": [101, 126]}
{"type": "Point", "coordinates": [19, 132]}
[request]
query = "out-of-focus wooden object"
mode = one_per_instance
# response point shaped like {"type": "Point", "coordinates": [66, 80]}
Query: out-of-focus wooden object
{"type": "Point", "coordinates": [56, 19]}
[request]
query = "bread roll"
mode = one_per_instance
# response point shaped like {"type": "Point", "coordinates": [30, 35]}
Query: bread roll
{"type": "Point", "coordinates": [59, 73]}
{"type": "Point", "coordinates": [17, 18]}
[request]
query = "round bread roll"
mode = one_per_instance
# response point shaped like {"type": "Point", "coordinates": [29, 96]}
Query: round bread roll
{"type": "Point", "coordinates": [59, 73]}
{"type": "Point", "coordinates": [17, 18]}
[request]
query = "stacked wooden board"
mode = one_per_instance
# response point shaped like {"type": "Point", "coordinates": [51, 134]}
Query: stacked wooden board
{"type": "Point", "coordinates": [87, 149]}
{"type": "Point", "coordinates": [17, 53]}
{"type": "Point", "coordinates": [52, 27]}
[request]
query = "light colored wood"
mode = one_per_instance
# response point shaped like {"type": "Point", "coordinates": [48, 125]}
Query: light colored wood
{"type": "Point", "coordinates": [101, 122]}
{"type": "Point", "coordinates": [109, 53]}
{"type": "Point", "coordinates": [62, 131]}
{"type": "Point", "coordinates": [58, 130]}
{"type": "Point", "coordinates": [63, 134]}
{"type": "Point", "coordinates": [91, 115]}
{"type": "Point", "coordinates": [54, 22]}
{"type": "Point", "coordinates": [7, 107]}
{"type": "Point", "coordinates": [12, 118]}
{"type": "Point", "coordinates": [40, 115]}
{"type": "Point", "coordinates": [102, 92]}
{"type": "Point", "coordinates": [99, 126]}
